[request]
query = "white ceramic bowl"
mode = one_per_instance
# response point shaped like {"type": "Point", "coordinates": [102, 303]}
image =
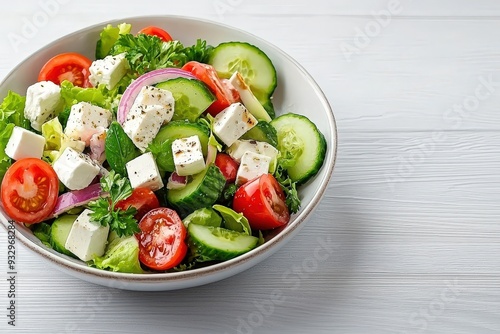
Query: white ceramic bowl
{"type": "Point", "coordinates": [297, 92]}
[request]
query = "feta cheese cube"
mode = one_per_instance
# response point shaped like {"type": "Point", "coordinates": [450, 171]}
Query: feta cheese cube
{"type": "Point", "coordinates": [43, 100]}
{"type": "Point", "coordinates": [75, 169]}
{"type": "Point", "coordinates": [24, 144]}
{"type": "Point", "coordinates": [152, 108]}
{"type": "Point", "coordinates": [188, 156]}
{"type": "Point", "coordinates": [108, 71]}
{"type": "Point", "coordinates": [239, 148]}
{"type": "Point", "coordinates": [85, 120]}
{"type": "Point", "coordinates": [87, 239]}
{"type": "Point", "coordinates": [233, 122]}
{"type": "Point", "coordinates": [143, 172]}
{"type": "Point", "coordinates": [252, 166]}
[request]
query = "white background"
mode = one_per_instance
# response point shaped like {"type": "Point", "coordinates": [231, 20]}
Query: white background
{"type": "Point", "coordinates": [413, 206]}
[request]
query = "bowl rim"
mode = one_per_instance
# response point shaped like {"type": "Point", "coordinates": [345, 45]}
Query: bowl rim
{"type": "Point", "coordinates": [268, 247]}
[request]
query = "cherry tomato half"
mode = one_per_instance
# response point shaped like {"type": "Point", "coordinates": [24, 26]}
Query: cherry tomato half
{"type": "Point", "coordinates": [162, 239]}
{"type": "Point", "coordinates": [143, 199]}
{"type": "Point", "coordinates": [29, 190]}
{"type": "Point", "coordinates": [70, 66]}
{"type": "Point", "coordinates": [262, 202]}
{"type": "Point", "coordinates": [227, 166]}
{"type": "Point", "coordinates": [158, 32]}
{"type": "Point", "coordinates": [223, 92]}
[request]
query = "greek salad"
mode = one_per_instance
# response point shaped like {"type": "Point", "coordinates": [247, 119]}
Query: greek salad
{"type": "Point", "coordinates": [155, 156]}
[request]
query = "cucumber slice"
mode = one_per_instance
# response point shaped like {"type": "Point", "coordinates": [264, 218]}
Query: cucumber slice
{"type": "Point", "coordinates": [201, 192]}
{"type": "Point", "coordinates": [269, 107]}
{"type": "Point", "coordinates": [60, 231]}
{"type": "Point", "coordinates": [176, 130]}
{"type": "Point", "coordinates": [253, 64]}
{"type": "Point", "coordinates": [263, 131]}
{"type": "Point", "coordinates": [192, 97]}
{"type": "Point", "coordinates": [210, 243]}
{"type": "Point", "coordinates": [300, 141]}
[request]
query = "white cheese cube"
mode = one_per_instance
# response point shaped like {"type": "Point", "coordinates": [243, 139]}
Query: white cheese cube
{"type": "Point", "coordinates": [152, 108]}
{"type": "Point", "coordinates": [24, 144]}
{"type": "Point", "coordinates": [108, 71]}
{"type": "Point", "coordinates": [43, 100]}
{"type": "Point", "coordinates": [233, 122]}
{"type": "Point", "coordinates": [188, 156]}
{"type": "Point", "coordinates": [75, 169]}
{"type": "Point", "coordinates": [239, 148]}
{"type": "Point", "coordinates": [85, 120]}
{"type": "Point", "coordinates": [143, 172]}
{"type": "Point", "coordinates": [252, 166]}
{"type": "Point", "coordinates": [87, 239]}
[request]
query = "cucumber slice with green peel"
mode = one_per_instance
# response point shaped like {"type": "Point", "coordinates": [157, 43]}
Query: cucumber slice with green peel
{"type": "Point", "coordinates": [201, 192]}
{"type": "Point", "coordinates": [176, 130]}
{"type": "Point", "coordinates": [251, 62]}
{"type": "Point", "coordinates": [210, 243]}
{"type": "Point", "coordinates": [302, 146]}
{"type": "Point", "coordinates": [60, 231]}
{"type": "Point", "coordinates": [269, 108]}
{"type": "Point", "coordinates": [263, 131]}
{"type": "Point", "coordinates": [192, 97]}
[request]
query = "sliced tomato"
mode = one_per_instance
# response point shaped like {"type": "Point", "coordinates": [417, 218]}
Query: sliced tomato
{"type": "Point", "coordinates": [227, 166]}
{"type": "Point", "coordinates": [158, 32]}
{"type": "Point", "coordinates": [29, 190]}
{"type": "Point", "coordinates": [262, 202]}
{"type": "Point", "coordinates": [223, 92]}
{"type": "Point", "coordinates": [70, 66]}
{"type": "Point", "coordinates": [143, 199]}
{"type": "Point", "coordinates": [162, 242]}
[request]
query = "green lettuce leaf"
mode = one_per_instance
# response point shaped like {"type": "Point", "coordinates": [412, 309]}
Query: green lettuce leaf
{"type": "Point", "coordinates": [108, 36]}
{"type": "Point", "coordinates": [233, 220]}
{"type": "Point", "coordinates": [43, 231]}
{"type": "Point", "coordinates": [5, 133]}
{"type": "Point", "coordinates": [73, 94]}
{"type": "Point", "coordinates": [122, 255]}
{"type": "Point", "coordinates": [56, 141]}
{"type": "Point", "coordinates": [12, 110]}
{"type": "Point", "coordinates": [204, 216]}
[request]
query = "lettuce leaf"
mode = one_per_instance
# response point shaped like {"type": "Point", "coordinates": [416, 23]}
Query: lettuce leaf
{"type": "Point", "coordinates": [11, 114]}
{"type": "Point", "coordinates": [122, 255]}
{"type": "Point", "coordinates": [56, 141]}
{"type": "Point", "coordinates": [233, 220]}
{"type": "Point", "coordinates": [204, 216]}
{"type": "Point", "coordinates": [72, 94]}
{"type": "Point", "coordinates": [108, 36]}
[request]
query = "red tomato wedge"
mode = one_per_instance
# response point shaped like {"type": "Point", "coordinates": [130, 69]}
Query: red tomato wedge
{"type": "Point", "coordinates": [70, 66]}
{"type": "Point", "coordinates": [225, 94]}
{"type": "Point", "coordinates": [227, 166]}
{"type": "Point", "coordinates": [162, 243]}
{"type": "Point", "coordinates": [158, 32]}
{"type": "Point", "coordinates": [262, 202]}
{"type": "Point", "coordinates": [29, 190]}
{"type": "Point", "coordinates": [143, 199]}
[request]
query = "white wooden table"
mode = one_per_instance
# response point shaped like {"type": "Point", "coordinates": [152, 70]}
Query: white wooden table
{"type": "Point", "coordinates": [413, 205]}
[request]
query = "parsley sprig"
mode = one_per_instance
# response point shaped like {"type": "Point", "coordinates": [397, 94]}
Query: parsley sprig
{"type": "Point", "coordinates": [289, 188]}
{"type": "Point", "coordinates": [104, 211]}
{"type": "Point", "coordinates": [146, 52]}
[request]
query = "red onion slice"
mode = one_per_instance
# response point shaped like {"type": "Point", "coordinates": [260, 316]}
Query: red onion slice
{"type": "Point", "coordinates": [175, 181]}
{"type": "Point", "coordinates": [72, 199]}
{"type": "Point", "coordinates": [148, 79]}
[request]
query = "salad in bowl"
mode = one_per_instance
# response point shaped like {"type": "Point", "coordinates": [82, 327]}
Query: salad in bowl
{"type": "Point", "coordinates": [154, 156]}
